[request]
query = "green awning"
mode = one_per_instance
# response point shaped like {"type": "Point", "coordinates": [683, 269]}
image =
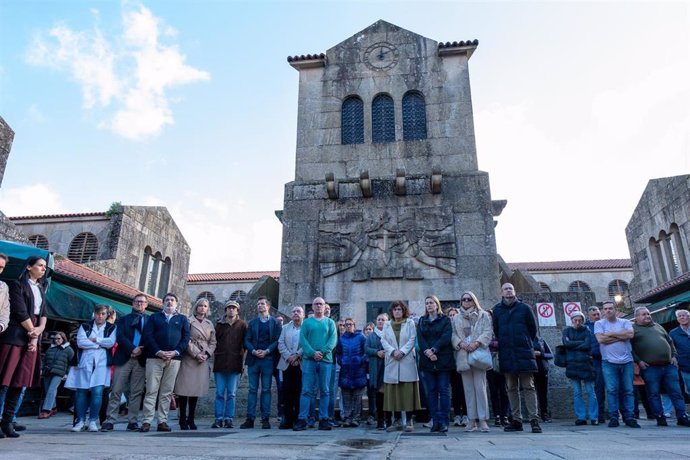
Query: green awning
{"type": "Point", "coordinates": [67, 303]}
{"type": "Point", "coordinates": [18, 253]}
{"type": "Point", "coordinates": [664, 311]}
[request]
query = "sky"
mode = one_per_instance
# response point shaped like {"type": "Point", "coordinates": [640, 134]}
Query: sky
{"type": "Point", "coordinates": [192, 106]}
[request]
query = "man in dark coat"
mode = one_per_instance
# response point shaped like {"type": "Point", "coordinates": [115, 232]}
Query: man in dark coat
{"type": "Point", "coordinates": [516, 329]}
{"type": "Point", "coordinates": [130, 362]}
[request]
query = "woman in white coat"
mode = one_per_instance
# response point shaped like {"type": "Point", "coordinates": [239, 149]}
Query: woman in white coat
{"type": "Point", "coordinates": [400, 378]}
{"type": "Point", "coordinates": [472, 330]}
{"type": "Point", "coordinates": [92, 373]}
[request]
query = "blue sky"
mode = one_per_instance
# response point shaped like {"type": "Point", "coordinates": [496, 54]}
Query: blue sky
{"type": "Point", "coordinates": [192, 105]}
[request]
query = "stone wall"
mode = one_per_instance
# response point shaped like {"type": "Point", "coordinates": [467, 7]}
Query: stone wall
{"type": "Point", "coordinates": [598, 280]}
{"type": "Point", "coordinates": [60, 231]}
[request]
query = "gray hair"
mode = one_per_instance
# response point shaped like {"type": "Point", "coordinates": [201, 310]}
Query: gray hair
{"type": "Point", "coordinates": [681, 311]}
{"type": "Point", "coordinates": [639, 309]}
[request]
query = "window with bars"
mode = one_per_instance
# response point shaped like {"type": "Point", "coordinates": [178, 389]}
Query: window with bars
{"type": "Point", "coordinates": [414, 116]}
{"type": "Point", "coordinates": [238, 296]}
{"type": "Point", "coordinates": [382, 119]}
{"type": "Point", "coordinates": [207, 295]}
{"type": "Point", "coordinates": [543, 287]}
{"type": "Point", "coordinates": [83, 248]}
{"type": "Point", "coordinates": [352, 121]}
{"type": "Point", "coordinates": [617, 287]}
{"type": "Point", "coordinates": [39, 241]}
{"type": "Point", "coordinates": [579, 286]}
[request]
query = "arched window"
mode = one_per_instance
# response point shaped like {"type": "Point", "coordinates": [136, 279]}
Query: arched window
{"type": "Point", "coordinates": [679, 261]}
{"type": "Point", "coordinates": [543, 287]}
{"type": "Point", "coordinates": [207, 295]}
{"type": "Point", "coordinates": [83, 248]}
{"type": "Point", "coordinates": [39, 241]}
{"type": "Point", "coordinates": [414, 116]}
{"type": "Point", "coordinates": [238, 296]}
{"type": "Point", "coordinates": [164, 281]}
{"type": "Point", "coordinates": [382, 119]}
{"type": "Point", "coordinates": [146, 269]}
{"type": "Point", "coordinates": [617, 287]}
{"type": "Point", "coordinates": [657, 256]}
{"type": "Point", "coordinates": [352, 121]}
{"type": "Point", "coordinates": [579, 286]}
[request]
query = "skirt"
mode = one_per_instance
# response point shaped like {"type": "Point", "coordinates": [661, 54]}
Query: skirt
{"type": "Point", "coordinates": [19, 367]}
{"type": "Point", "coordinates": [403, 396]}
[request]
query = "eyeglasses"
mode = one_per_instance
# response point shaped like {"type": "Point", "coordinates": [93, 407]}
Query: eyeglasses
{"type": "Point", "coordinates": [467, 299]}
{"type": "Point", "coordinates": [349, 325]}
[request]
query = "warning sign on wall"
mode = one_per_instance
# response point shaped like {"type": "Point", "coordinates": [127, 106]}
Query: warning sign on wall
{"type": "Point", "coordinates": [568, 309]}
{"type": "Point", "coordinates": [546, 314]}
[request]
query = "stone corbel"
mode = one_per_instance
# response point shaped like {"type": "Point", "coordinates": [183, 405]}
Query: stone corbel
{"type": "Point", "coordinates": [400, 182]}
{"type": "Point", "coordinates": [365, 184]}
{"type": "Point", "coordinates": [436, 177]}
{"type": "Point", "coordinates": [331, 186]}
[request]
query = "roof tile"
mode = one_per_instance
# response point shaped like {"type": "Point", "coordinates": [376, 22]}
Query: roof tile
{"type": "Point", "coordinates": [600, 264]}
{"type": "Point", "coordinates": [229, 276]}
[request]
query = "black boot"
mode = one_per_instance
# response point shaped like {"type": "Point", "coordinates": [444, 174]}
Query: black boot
{"type": "Point", "coordinates": [190, 422]}
{"type": "Point", "coordinates": [8, 430]}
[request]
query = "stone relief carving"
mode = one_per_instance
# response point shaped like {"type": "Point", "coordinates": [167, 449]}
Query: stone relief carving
{"type": "Point", "coordinates": [384, 244]}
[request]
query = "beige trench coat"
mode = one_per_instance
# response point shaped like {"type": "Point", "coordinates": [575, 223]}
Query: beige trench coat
{"type": "Point", "coordinates": [194, 377]}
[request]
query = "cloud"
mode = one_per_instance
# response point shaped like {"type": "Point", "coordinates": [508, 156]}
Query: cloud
{"type": "Point", "coordinates": [127, 75]}
{"type": "Point", "coordinates": [35, 199]}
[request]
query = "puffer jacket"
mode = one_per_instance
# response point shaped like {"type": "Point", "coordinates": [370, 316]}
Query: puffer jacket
{"type": "Point", "coordinates": [435, 334]}
{"type": "Point", "coordinates": [57, 360]}
{"type": "Point", "coordinates": [352, 358]}
{"type": "Point", "coordinates": [578, 343]}
{"type": "Point", "coordinates": [515, 328]}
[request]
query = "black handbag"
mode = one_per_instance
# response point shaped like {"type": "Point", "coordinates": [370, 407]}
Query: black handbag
{"type": "Point", "coordinates": [559, 358]}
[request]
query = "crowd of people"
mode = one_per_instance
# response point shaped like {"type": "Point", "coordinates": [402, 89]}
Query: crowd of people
{"type": "Point", "coordinates": [465, 361]}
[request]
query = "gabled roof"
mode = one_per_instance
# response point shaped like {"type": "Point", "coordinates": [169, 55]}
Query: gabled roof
{"type": "Point", "coordinates": [572, 265]}
{"type": "Point", "coordinates": [229, 276]}
{"type": "Point", "coordinates": [75, 271]}
{"type": "Point", "coordinates": [668, 288]}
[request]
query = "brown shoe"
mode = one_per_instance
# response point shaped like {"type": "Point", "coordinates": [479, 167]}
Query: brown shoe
{"type": "Point", "coordinates": [163, 427]}
{"type": "Point", "coordinates": [145, 428]}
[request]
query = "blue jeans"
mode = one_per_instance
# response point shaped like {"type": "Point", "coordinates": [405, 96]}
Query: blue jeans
{"type": "Point", "coordinates": [619, 382]}
{"type": "Point", "coordinates": [260, 370]}
{"type": "Point", "coordinates": [333, 391]}
{"type": "Point", "coordinates": [94, 405]}
{"type": "Point", "coordinates": [51, 383]}
{"type": "Point", "coordinates": [686, 381]}
{"type": "Point", "coordinates": [316, 375]}
{"type": "Point", "coordinates": [654, 377]}
{"type": "Point", "coordinates": [599, 386]}
{"type": "Point", "coordinates": [579, 402]}
{"type": "Point", "coordinates": [226, 389]}
{"type": "Point", "coordinates": [437, 385]}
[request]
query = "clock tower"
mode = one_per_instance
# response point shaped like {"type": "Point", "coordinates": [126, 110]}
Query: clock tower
{"type": "Point", "coordinates": [387, 202]}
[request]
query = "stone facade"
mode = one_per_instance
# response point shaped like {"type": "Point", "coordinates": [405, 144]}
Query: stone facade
{"type": "Point", "coordinates": [129, 237]}
{"type": "Point", "coordinates": [370, 222]}
{"type": "Point", "coordinates": [658, 233]}
{"type": "Point", "coordinates": [6, 138]}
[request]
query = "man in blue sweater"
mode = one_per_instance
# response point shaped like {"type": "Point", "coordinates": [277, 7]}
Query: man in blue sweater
{"type": "Point", "coordinates": [166, 336]}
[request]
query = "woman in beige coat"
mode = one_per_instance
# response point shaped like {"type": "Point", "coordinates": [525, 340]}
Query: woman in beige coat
{"type": "Point", "coordinates": [471, 330]}
{"type": "Point", "coordinates": [194, 375]}
{"type": "Point", "coordinates": [400, 378]}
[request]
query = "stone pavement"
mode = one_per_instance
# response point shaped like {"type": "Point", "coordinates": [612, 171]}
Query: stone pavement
{"type": "Point", "coordinates": [51, 439]}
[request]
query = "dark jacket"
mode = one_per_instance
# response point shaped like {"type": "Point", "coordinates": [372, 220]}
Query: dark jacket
{"type": "Point", "coordinates": [229, 353]}
{"type": "Point", "coordinates": [578, 344]}
{"type": "Point", "coordinates": [435, 334]}
{"type": "Point", "coordinates": [681, 340]}
{"type": "Point", "coordinates": [352, 358]}
{"type": "Point", "coordinates": [546, 355]}
{"type": "Point", "coordinates": [126, 326]}
{"type": "Point", "coordinates": [596, 350]}
{"type": "Point", "coordinates": [372, 347]}
{"type": "Point", "coordinates": [160, 335]}
{"type": "Point", "coordinates": [516, 329]}
{"type": "Point", "coordinates": [21, 309]}
{"type": "Point", "coordinates": [109, 329]}
{"type": "Point", "coordinates": [251, 340]}
{"type": "Point", "coordinates": [57, 360]}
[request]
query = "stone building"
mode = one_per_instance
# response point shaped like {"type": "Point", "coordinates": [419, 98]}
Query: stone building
{"type": "Point", "coordinates": [658, 236]}
{"type": "Point", "coordinates": [387, 201]}
{"type": "Point", "coordinates": [139, 246]}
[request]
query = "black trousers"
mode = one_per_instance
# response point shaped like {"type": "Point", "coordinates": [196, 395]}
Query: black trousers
{"type": "Point", "coordinates": [292, 389]}
{"type": "Point", "coordinates": [541, 385]}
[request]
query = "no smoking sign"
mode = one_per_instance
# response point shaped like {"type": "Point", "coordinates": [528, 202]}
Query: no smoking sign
{"type": "Point", "coordinates": [545, 314]}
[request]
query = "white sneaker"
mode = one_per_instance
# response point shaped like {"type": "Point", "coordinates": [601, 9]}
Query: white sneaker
{"type": "Point", "coordinates": [93, 426]}
{"type": "Point", "coordinates": [428, 424]}
{"type": "Point", "coordinates": [457, 421]}
{"type": "Point", "coordinates": [78, 427]}
{"type": "Point", "coordinates": [465, 421]}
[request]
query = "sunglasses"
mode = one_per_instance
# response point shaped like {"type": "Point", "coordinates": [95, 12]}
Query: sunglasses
{"type": "Point", "coordinates": [467, 299]}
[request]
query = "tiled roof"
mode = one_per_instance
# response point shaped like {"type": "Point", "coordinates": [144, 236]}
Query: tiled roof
{"type": "Point", "coordinates": [306, 57]}
{"type": "Point", "coordinates": [229, 276]}
{"type": "Point", "coordinates": [442, 45]}
{"type": "Point", "coordinates": [651, 295]}
{"type": "Point", "coordinates": [601, 264]}
{"type": "Point", "coordinates": [83, 273]}
{"type": "Point", "coordinates": [58, 216]}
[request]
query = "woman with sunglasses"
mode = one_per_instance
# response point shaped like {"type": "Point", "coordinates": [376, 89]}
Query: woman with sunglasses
{"type": "Point", "coordinates": [436, 361]}
{"type": "Point", "coordinates": [472, 330]}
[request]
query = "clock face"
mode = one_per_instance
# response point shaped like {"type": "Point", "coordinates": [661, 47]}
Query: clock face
{"type": "Point", "coordinates": [381, 56]}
